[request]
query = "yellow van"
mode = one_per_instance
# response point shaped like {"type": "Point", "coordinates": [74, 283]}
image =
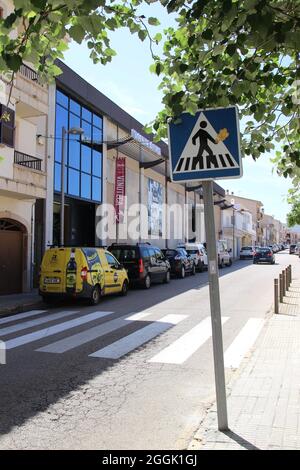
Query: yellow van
{"type": "Point", "coordinates": [81, 272]}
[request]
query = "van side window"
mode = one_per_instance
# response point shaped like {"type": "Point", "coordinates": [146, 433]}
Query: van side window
{"type": "Point", "coordinates": [111, 259]}
{"type": "Point", "coordinates": [145, 253]}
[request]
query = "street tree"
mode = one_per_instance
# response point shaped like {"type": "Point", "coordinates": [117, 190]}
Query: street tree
{"type": "Point", "coordinates": [222, 52]}
{"type": "Point", "coordinates": [237, 52]}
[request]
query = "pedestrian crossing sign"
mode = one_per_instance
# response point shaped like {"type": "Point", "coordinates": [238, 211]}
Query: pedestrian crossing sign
{"type": "Point", "coordinates": [205, 146]}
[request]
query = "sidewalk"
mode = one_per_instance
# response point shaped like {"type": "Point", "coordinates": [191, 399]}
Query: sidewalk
{"type": "Point", "coordinates": [17, 303]}
{"type": "Point", "coordinates": [263, 397]}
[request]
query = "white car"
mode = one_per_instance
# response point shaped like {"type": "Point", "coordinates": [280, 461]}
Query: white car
{"type": "Point", "coordinates": [224, 255]}
{"type": "Point", "coordinates": [246, 252]}
{"type": "Point", "coordinates": [198, 252]}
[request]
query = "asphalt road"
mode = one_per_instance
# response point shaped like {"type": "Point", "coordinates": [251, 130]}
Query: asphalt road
{"type": "Point", "coordinates": [131, 373]}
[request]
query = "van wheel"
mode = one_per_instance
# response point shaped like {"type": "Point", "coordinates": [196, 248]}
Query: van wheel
{"type": "Point", "coordinates": [147, 282]}
{"type": "Point", "coordinates": [200, 267]}
{"type": "Point", "coordinates": [95, 296]}
{"type": "Point", "coordinates": [124, 288]}
{"type": "Point", "coordinates": [193, 272]}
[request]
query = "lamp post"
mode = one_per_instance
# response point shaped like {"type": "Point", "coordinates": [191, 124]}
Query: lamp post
{"type": "Point", "coordinates": [64, 132]}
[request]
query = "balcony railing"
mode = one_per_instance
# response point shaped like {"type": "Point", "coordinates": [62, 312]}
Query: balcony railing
{"type": "Point", "coordinates": [28, 160]}
{"type": "Point", "coordinates": [30, 74]}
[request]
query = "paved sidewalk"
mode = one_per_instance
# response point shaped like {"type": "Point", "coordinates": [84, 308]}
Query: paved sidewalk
{"type": "Point", "coordinates": [16, 303]}
{"type": "Point", "coordinates": [264, 394]}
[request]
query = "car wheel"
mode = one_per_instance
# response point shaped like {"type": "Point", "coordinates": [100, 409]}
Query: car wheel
{"type": "Point", "coordinates": [147, 282]}
{"type": "Point", "coordinates": [95, 296]}
{"type": "Point", "coordinates": [124, 288]}
{"type": "Point", "coordinates": [182, 272]}
{"type": "Point", "coordinates": [193, 272]}
{"type": "Point", "coordinates": [221, 265]}
{"type": "Point", "coordinates": [230, 262]}
{"type": "Point", "coordinates": [167, 277]}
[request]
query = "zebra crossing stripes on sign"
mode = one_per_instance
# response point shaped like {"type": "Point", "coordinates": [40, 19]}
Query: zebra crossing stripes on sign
{"type": "Point", "coordinates": [205, 146]}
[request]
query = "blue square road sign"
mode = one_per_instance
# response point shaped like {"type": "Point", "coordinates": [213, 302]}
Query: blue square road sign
{"type": "Point", "coordinates": [205, 146]}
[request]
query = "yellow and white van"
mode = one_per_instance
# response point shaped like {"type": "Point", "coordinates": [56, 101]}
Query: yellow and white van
{"type": "Point", "coordinates": [81, 272]}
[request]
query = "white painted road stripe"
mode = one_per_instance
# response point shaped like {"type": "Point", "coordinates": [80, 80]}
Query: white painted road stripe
{"type": "Point", "coordinates": [179, 351]}
{"type": "Point", "coordinates": [66, 344]}
{"type": "Point", "coordinates": [20, 316]}
{"type": "Point", "coordinates": [36, 322]}
{"type": "Point", "coordinates": [243, 342]}
{"type": "Point", "coordinates": [52, 330]}
{"type": "Point", "coordinates": [134, 340]}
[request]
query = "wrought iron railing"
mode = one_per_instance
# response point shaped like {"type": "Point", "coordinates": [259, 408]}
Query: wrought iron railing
{"type": "Point", "coordinates": [28, 160]}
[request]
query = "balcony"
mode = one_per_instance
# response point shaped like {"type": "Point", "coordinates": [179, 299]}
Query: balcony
{"type": "Point", "coordinates": [30, 94]}
{"type": "Point", "coordinates": [28, 160]}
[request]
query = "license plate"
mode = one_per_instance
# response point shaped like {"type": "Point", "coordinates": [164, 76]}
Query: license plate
{"type": "Point", "coordinates": [52, 280]}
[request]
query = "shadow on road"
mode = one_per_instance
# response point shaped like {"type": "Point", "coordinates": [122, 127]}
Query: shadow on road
{"type": "Point", "coordinates": [31, 382]}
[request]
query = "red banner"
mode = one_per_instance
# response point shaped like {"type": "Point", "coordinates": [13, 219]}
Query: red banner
{"type": "Point", "coordinates": [119, 196]}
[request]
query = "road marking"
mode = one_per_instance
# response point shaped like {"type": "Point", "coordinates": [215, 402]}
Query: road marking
{"type": "Point", "coordinates": [36, 322]}
{"type": "Point", "coordinates": [243, 342]}
{"type": "Point", "coordinates": [66, 344]}
{"type": "Point", "coordinates": [134, 340]}
{"type": "Point", "coordinates": [52, 330]}
{"type": "Point", "coordinates": [179, 351]}
{"type": "Point", "coordinates": [20, 316]}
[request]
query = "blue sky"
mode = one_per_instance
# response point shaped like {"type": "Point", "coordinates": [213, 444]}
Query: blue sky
{"type": "Point", "coordinates": [128, 82]}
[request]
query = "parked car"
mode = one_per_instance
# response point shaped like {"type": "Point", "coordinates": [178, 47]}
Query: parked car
{"type": "Point", "coordinates": [246, 252]}
{"type": "Point", "coordinates": [81, 272]}
{"type": "Point", "coordinates": [144, 262]}
{"type": "Point", "coordinates": [224, 254]}
{"type": "Point", "coordinates": [292, 249]}
{"type": "Point", "coordinates": [264, 255]}
{"type": "Point", "coordinates": [180, 261]}
{"type": "Point", "coordinates": [198, 253]}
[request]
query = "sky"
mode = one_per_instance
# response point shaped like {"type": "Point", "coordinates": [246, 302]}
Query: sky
{"type": "Point", "coordinates": [128, 82]}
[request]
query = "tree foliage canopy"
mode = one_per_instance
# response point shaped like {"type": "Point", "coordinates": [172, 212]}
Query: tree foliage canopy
{"type": "Point", "coordinates": [237, 52]}
{"type": "Point", "coordinates": [222, 52]}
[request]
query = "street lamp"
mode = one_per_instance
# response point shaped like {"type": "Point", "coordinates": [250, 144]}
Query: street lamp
{"type": "Point", "coordinates": [64, 132]}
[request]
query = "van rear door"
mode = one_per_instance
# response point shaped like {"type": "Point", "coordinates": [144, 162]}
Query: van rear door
{"type": "Point", "coordinates": [53, 270]}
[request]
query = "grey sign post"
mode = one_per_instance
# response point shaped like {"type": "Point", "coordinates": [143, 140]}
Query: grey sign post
{"type": "Point", "coordinates": [214, 294]}
{"type": "Point", "coordinates": [204, 147]}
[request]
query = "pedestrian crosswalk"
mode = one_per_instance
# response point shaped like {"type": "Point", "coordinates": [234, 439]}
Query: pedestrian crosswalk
{"type": "Point", "coordinates": [186, 340]}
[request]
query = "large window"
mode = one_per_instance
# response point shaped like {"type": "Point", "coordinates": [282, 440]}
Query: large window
{"type": "Point", "coordinates": [83, 166]}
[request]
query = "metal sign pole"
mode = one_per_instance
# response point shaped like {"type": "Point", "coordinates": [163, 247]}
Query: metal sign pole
{"type": "Point", "coordinates": [214, 294]}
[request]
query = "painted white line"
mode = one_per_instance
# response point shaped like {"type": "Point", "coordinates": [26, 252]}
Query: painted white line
{"type": "Point", "coordinates": [20, 316]}
{"type": "Point", "coordinates": [52, 330]}
{"type": "Point", "coordinates": [179, 351]}
{"type": "Point", "coordinates": [36, 322]}
{"type": "Point", "coordinates": [86, 336]}
{"type": "Point", "coordinates": [243, 342]}
{"type": "Point", "coordinates": [134, 340]}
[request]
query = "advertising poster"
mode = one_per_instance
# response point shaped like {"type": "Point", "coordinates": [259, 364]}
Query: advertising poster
{"type": "Point", "coordinates": [119, 196]}
{"type": "Point", "coordinates": [155, 201]}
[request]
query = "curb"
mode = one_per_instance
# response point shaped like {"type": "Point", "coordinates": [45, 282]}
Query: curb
{"type": "Point", "coordinates": [19, 308]}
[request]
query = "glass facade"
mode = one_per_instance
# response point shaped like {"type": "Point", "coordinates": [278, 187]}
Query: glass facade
{"type": "Point", "coordinates": [83, 166]}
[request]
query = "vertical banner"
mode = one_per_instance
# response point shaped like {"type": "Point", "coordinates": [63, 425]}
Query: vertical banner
{"type": "Point", "coordinates": [155, 201]}
{"type": "Point", "coordinates": [119, 196]}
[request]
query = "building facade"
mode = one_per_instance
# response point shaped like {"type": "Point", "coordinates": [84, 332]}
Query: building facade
{"type": "Point", "coordinates": [23, 169]}
{"type": "Point", "coordinates": [172, 213]}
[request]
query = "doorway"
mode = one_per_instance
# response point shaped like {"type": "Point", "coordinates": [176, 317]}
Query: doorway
{"type": "Point", "coordinates": [12, 250]}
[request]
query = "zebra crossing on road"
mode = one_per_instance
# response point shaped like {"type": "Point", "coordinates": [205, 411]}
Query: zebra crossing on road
{"type": "Point", "coordinates": [178, 352]}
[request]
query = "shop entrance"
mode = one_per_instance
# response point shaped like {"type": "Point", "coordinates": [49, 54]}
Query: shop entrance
{"type": "Point", "coordinates": [12, 240]}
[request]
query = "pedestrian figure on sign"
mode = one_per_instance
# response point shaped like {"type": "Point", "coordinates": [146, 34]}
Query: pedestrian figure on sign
{"type": "Point", "coordinates": [203, 137]}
